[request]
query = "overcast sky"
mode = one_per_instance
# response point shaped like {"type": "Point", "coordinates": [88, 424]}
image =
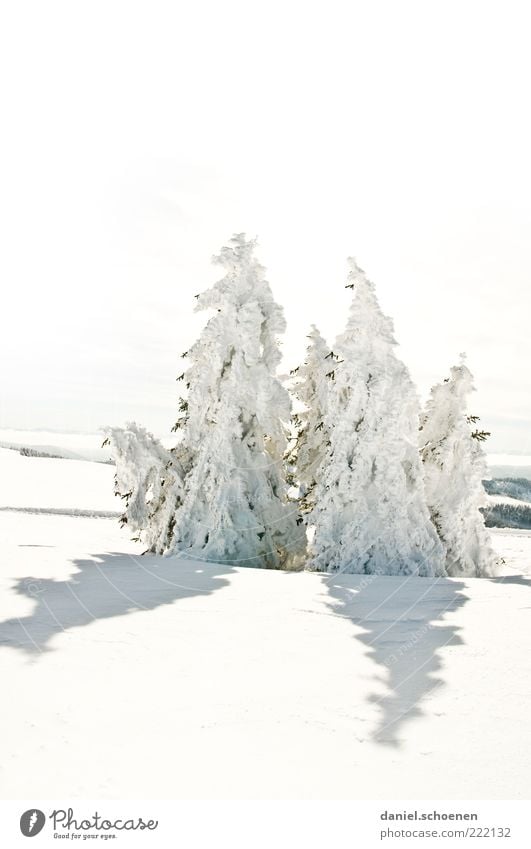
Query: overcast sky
{"type": "Point", "coordinates": [137, 137]}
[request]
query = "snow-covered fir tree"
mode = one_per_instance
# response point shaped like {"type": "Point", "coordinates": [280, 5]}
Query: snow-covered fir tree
{"type": "Point", "coordinates": [455, 465]}
{"type": "Point", "coordinates": [311, 438]}
{"type": "Point", "coordinates": [234, 505]}
{"type": "Point", "coordinates": [371, 514]}
{"type": "Point", "coordinates": [149, 478]}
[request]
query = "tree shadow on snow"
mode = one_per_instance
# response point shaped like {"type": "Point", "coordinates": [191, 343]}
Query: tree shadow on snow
{"type": "Point", "coordinates": [108, 585]}
{"type": "Point", "coordinates": [401, 621]}
{"type": "Point", "coordinates": [522, 580]}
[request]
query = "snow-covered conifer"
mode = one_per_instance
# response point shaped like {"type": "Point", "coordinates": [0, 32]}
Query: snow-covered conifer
{"type": "Point", "coordinates": [371, 514]}
{"type": "Point", "coordinates": [455, 465]}
{"type": "Point", "coordinates": [149, 478]}
{"type": "Point", "coordinates": [312, 430]}
{"type": "Point", "coordinates": [234, 505]}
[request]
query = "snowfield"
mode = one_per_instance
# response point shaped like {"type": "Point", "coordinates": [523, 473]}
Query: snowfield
{"type": "Point", "coordinates": [37, 484]}
{"type": "Point", "coordinates": [148, 677]}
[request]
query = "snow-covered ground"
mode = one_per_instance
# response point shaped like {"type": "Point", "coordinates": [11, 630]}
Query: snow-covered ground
{"type": "Point", "coordinates": [62, 486]}
{"type": "Point", "coordinates": [129, 676]}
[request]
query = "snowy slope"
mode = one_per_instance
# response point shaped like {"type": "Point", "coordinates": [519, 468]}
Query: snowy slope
{"type": "Point", "coordinates": [150, 677]}
{"type": "Point", "coordinates": [44, 484]}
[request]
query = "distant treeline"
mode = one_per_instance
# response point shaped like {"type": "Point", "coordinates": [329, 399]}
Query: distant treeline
{"type": "Point", "coordinates": [32, 452]}
{"type": "Point", "coordinates": [515, 515]}
{"type": "Point", "coordinates": [508, 516]}
{"type": "Point", "coordinates": [519, 488]}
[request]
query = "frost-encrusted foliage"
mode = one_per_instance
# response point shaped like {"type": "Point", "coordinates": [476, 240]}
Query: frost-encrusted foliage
{"type": "Point", "coordinates": [235, 506]}
{"type": "Point", "coordinates": [228, 502]}
{"type": "Point", "coordinates": [454, 464]}
{"type": "Point", "coordinates": [371, 514]}
{"type": "Point", "coordinates": [312, 430]}
{"type": "Point", "coordinates": [221, 494]}
{"type": "Point", "coordinates": [149, 478]}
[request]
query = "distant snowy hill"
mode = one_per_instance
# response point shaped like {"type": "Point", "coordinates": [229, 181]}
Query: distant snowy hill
{"type": "Point", "coordinates": [75, 446]}
{"type": "Point", "coordinates": [513, 488]}
{"type": "Point", "coordinates": [71, 446]}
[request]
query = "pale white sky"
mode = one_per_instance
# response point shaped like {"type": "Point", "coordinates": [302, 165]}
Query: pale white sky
{"type": "Point", "coordinates": [137, 137]}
